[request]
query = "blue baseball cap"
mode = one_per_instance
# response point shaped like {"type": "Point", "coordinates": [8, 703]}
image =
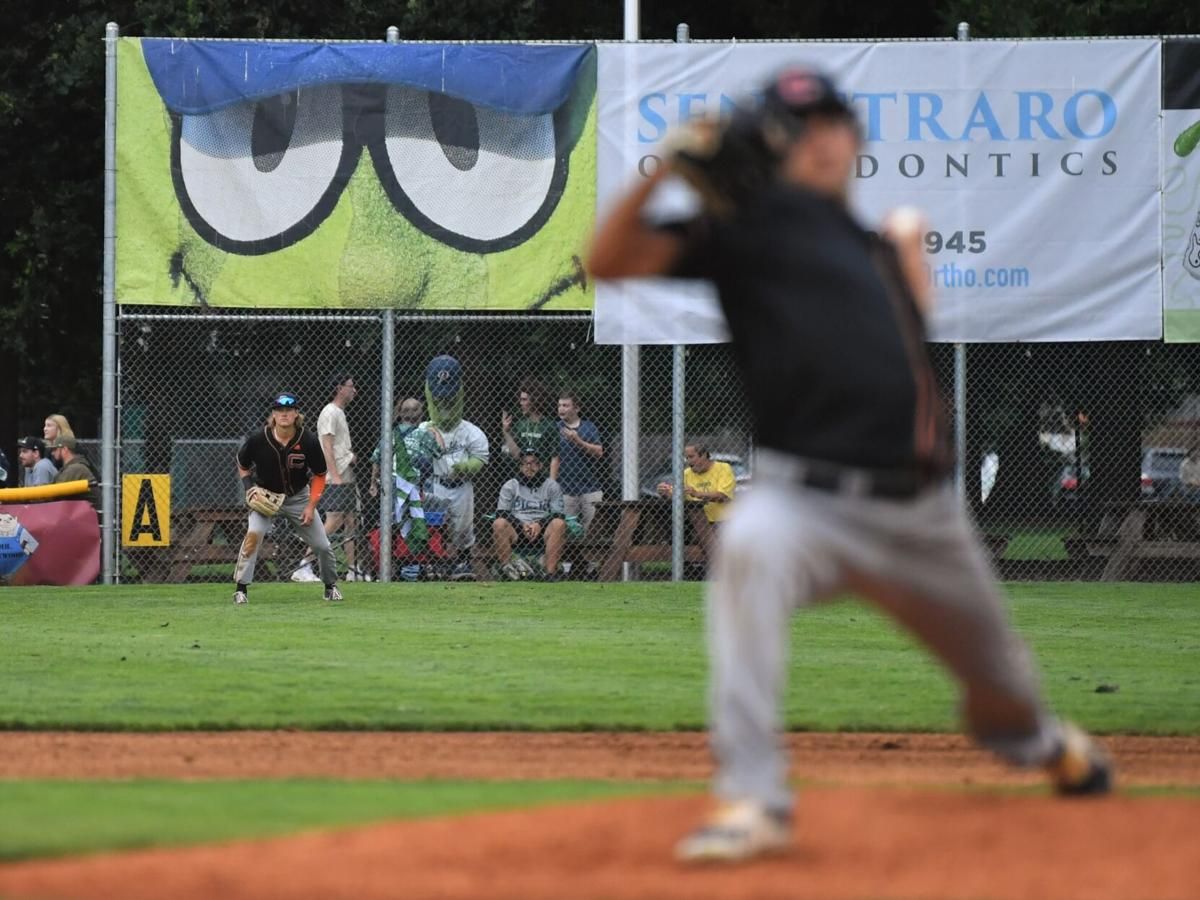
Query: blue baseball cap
{"type": "Point", "coordinates": [285, 400]}
{"type": "Point", "coordinates": [197, 77]}
{"type": "Point", "coordinates": [443, 376]}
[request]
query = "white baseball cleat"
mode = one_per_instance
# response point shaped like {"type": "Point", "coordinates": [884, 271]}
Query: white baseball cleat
{"type": "Point", "coordinates": [333, 594]}
{"type": "Point", "coordinates": [305, 573]}
{"type": "Point", "coordinates": [736, 832]}
{"type": "Point", "coordinates": [239, 597]}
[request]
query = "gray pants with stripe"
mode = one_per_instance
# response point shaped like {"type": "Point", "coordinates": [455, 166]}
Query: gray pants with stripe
{"type": "Point", "coordinates": [786, 546]}
{"type": "Point", "coordinates": [312, 534]}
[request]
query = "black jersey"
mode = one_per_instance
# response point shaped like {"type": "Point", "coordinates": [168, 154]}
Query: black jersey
{"type": "Point", "coordinates": [825, 331]}
{"type": "Point", "coordinates": [285, 469]}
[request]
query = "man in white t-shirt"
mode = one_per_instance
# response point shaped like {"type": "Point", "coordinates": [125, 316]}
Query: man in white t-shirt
{"type": "Point", "coordinates": [340, 500]}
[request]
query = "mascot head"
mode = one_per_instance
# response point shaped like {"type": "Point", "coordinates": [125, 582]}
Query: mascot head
{"type": "Point", "coordinates": [444, 391]}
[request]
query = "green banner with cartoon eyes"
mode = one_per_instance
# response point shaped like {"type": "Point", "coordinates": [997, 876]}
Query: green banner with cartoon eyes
{"type": "Point", "coordinates": [1181, 190]}
{"type": "Point", "coordinates": [354, 175]}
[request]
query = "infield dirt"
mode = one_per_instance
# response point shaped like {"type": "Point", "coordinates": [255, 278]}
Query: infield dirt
{"type": "Point", "coordinates": [875, 820]}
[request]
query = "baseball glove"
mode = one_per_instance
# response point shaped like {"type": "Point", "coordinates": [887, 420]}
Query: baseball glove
{"type": "Point", "coordinates": [262, 501]}
{"type": "Point", "coordinates": [726, 161]}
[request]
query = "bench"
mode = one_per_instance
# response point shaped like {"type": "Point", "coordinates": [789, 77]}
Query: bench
{"type": "Point", "coordinates": [623, 531]}
{"type": "Point", "coordinates": [639, 531]}
{"type": "Point", "coordinates": [1154, 529]}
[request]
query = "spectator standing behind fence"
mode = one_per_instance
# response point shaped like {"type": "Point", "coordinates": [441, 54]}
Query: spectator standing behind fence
{"type": "Point", "coordinates": [529, 513]}
{"type": "Point", "coordinates": [532, 429]}
{"type": "Point", "coordinates": [407, 415]}
{"type": "Point", "coordinates": [340, 501]}
{"type": "Point", "coordinates": [705, 481]}
{"type": "Point", "coordinates": [73, 466]}
{"type": "Point", "coordinates": [54, 426]}
{"type": "Point", "coordinates": [407, 507]}
{"type": "Point", "coordinates": [460, 455]}
{"type": "Point", "coordinates": [36, 469]}
{"type": "Point", "coordinates": [579, 450]}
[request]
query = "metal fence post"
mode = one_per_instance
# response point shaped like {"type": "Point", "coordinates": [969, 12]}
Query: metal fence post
{"type": "Point", "coordinates": [960, 378]}
{"type": "Point", "coordinates": [630, 356]}
{"type": "Point", "coordinates": [108, 390]}
{"type": "Point", "coordinates": [387, 367]}
{"type": "Point", "coordinates": [678, 418]}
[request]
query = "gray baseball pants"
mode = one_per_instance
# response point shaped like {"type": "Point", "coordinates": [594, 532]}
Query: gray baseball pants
{"type": "Point", "coordinates": [786, 546]}
{"type": "Point", "coordinates": [312, 534]}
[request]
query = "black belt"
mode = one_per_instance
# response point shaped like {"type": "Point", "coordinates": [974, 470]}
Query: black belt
{"type": "Point", "coordinates": [891, 484]}
{"type": "Point", "coordinates": [449, 482]}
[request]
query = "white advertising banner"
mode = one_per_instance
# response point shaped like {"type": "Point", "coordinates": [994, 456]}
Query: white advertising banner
{"type": "Point", "coordinates": [1037, 164]}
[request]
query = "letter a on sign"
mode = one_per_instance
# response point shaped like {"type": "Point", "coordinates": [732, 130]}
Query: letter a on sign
{"type": "Point", "coordinates": [145, 510]}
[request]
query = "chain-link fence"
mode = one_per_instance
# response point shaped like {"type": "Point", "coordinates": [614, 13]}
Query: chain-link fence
{"type": "Point", "coordinates": [1075, 454]}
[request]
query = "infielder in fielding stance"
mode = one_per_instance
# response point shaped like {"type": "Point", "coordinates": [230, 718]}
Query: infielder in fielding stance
{"type": "Point", "coordinates": [282, 468]}
{"type": "Point", "coordinates": [851, 488]}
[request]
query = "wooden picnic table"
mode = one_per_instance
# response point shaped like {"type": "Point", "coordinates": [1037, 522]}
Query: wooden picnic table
{"type": "Point", "coordinates": [1149, 529]}
{"type": "Point", "coordinates": [638, 531]}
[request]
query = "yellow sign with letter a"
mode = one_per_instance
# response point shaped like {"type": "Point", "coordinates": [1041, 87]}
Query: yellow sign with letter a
{"type": "Point", "coordinates": [145, 510]}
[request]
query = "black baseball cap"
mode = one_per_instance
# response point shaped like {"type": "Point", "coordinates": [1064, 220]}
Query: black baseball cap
{"type": "Point", "coordinates": [531, 451]}
{"type": "Point", "coordinates": [801, 92]}
{"type": "Point", "coordinates": [285, 400]}
{"type": "Point", "coordinates": [32, 443]}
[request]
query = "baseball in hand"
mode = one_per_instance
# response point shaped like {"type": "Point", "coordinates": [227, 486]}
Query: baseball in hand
{"type": "Point", "coordinates": [904, 223]}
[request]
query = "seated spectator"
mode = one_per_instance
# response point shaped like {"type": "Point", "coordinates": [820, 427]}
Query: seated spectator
{"type": "Point", "coordinates": [73, 466]}
{"type": "Point", "coordinates": [36, 468]}
{"type": "Point", "coordinates": [705, 481]}
{"type": "Point", "coordinates": [529, 513]}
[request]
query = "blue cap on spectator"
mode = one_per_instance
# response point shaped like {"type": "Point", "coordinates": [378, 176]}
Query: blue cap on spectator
{"type": "Point", "coordinates": [443, 376]}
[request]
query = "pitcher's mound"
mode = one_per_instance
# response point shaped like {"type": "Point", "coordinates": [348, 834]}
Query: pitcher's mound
{"type": "Point", "coordinates": [850, 842]}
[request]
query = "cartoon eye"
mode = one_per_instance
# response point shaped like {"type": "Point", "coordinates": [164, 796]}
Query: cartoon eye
{"type": "Point", "coordinates": [258, 176]}
{"type": "Point", "coordinates": [472, 177]}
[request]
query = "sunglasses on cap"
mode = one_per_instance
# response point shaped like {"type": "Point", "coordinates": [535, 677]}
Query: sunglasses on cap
{"type": "Point", "coordinates": [285, 401]}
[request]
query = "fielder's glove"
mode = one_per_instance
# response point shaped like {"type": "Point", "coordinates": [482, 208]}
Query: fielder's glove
{"type": "Point", "coordinates": [262, 501]}
{"type": "Point", "coordinates": [724, 162]}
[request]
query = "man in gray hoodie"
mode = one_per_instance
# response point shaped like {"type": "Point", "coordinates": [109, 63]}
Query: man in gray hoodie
{"type": "Point", "coordinates": [529, 513]}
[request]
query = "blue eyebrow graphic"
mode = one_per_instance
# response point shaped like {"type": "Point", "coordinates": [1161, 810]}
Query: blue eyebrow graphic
{"type": "Point", "coordinates": [195, 77]}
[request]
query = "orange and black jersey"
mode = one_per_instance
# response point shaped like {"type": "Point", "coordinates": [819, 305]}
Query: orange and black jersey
{"type": "Point", "coordinates": [825, 331]}
{"type": "Point", "coordinates": [284, 468]}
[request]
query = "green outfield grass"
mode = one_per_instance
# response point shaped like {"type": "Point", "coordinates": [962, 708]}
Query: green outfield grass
{"type": "Point", "coordinates": [573, 656]}
{"type": "Point", "coordinates": [56, 818]}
